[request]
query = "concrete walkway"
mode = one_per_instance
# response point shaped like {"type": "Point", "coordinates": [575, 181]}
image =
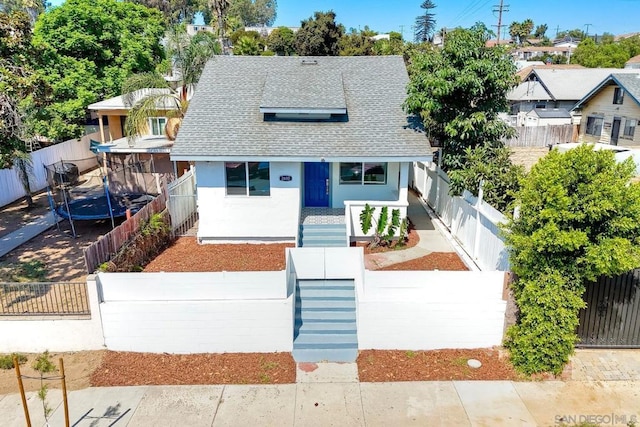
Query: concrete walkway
{"type": "Point", "coordinates": [433, 238]}
{"type": "Point", "coordinates": [437, 403]}
{"type": "Point", "coordinates": [10, 241]}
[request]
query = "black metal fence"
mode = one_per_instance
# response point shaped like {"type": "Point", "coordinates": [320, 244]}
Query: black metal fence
{"type": "Point", "coordinates": [44, 299]}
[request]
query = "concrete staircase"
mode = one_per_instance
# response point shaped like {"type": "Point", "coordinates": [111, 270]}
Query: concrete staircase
{"type": "Point", "coordinates": [322, 235]}
{"type": "Point", "coordinates": [325, 322]}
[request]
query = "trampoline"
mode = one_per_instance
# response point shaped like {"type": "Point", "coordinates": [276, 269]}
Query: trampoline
{"type": "Point", "coordinates": [101, 207]}
{"type": "Point", "coordinates": [81, 191]}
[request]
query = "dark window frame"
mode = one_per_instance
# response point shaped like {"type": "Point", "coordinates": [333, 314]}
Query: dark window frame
{"type": "Point", "coordinates": [243, 175]}
{"type": "Point", "coordinates": [618, 96]}
{"type": "Point", "coordinates": [595, 125]}
{"type": "Point", "coordinates": [358, 173]}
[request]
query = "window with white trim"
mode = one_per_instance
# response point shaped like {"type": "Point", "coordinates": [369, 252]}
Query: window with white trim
{"type": "Point", "coordinates": [594, 126]}
{"type": "Point", "coordinates": [629, 128]}
{"type": "Point", "coordinates": [363, 173]}
{"type": "Point", "coordinates": [157, 125]}
{"type": "Point", "coordinates": [247, 178]}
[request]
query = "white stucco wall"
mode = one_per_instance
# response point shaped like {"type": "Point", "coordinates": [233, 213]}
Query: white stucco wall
{"type": "Point", "coordinates": [425, 310]}
{"type": "Point", "coordinates": [40, 333]}
{"type": "Point", "coordinates": [248, 218]}
{"type": "Point", "coordinates": [197, 312]}
{"type": "Point", "coordinates": [342, 192]}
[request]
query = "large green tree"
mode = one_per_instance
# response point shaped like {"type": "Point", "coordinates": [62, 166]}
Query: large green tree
{"type": "Point", "coordinates": [607, 54]}
{"type": "Point", "coordinates": [254, 12]}
{"type": "Point", "coordinates": [458, 92]}
{"type": "Point", "coordinates": [31, 7]}
{"type": "Point", "coordinates": [282, 41]}
{"type": "Point", "coordinates": [319, 35]}
{"type": "Point", "coordinates": [426, 22]}
{"type": "Point", "coordinates": [520, 31]}
{"type": "Point", "coordinates": [578, 219]}
{"type": "Point", "coordinates": [356, 43]}
{"type": "Point", "coordinates": [89, 47]}
{"type": "Point", "coordinates": [174, 11]}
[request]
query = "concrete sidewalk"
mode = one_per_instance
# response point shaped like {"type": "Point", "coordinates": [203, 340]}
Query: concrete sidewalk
{"type": "Point", "coordinates": [10, 241]}
{"type": "Point", "coordinates": [438, 403]}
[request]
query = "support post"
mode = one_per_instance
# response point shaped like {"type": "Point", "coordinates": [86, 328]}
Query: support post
{"type": "Point", "coordinates": [63, 380]}
{"type": "Point", "coordinates": [21, 386]}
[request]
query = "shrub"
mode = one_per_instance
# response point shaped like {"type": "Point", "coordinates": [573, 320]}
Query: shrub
{"type": "Point", "coordinates": [6, 360]}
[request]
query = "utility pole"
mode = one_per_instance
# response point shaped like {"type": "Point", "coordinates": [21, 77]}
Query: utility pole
{"type": "Point", "coordinates": [557, 31]}
{"type": "Point", "coordinates": [500, 9]}
{"type": "Point", "coordinates": [586, 34]}
{"type": "Point", "coordinates": [402, 31]}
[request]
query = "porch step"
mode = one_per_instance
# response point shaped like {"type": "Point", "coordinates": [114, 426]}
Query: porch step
{"type": "Point", "coordinates": [323, 235]}
{"type": "Point", "coordinates": [325, 321]}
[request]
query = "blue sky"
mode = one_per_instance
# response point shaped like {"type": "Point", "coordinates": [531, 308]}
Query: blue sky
{"type": "Point", "coordinates": [613, 16]}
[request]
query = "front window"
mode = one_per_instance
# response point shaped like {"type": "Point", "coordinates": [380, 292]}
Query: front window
{"type": "Point", "coordinates": [594, 126]}
{"type": "Point", "coordinates": [629, 128]}
{"type": "Point", "coordinates": [247, 178]}
{"type": "Point", "coordinates": [363, 173]}
{"type": "Point", "coordinates": [157, 125]}
{"type": "Point", "coordinates": [618, 95]}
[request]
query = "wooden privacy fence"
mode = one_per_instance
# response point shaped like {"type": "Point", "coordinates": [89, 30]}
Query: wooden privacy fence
{"type": "Point", "coordinates": [107, 245]}
{"type": "Point", "coordinates": [540, 136]}
{"type": "Point", "coordinates": [44, 299]}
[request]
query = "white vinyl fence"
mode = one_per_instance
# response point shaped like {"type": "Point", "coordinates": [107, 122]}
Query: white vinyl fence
{"type": "Point", "coordinates": [472, 222]}
{"type": "Point", "coordinates": [10, 186]}
{"type": "Point", "coordinates": [182, 203]}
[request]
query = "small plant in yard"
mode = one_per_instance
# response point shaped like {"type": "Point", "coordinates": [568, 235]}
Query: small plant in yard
{"type": "Point", "coordinates": [43, 365]}
{"type": "Point", "coordinates": [6, 360]}
{"type": "Point", "coordinates": [267, 366]}
{"type": "Point", "coordinates": [410, 354]}
{"type": "Point", "coordinates": [384, 227]}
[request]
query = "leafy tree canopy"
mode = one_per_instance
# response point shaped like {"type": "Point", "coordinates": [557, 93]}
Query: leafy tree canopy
{"type": "Point", "coordinates": [174, 11]}
{"type": "Point", "coordinates": [579, 218]}
{"type": "Point", "coordinates": [319, 35]}
{"type": "Point", "coordinates": [554, 59]}
{"type": "Point", "coordinates": [32, 7]}
{"type": "Point", "coordinates": [282, 41]}
{"type": "Point", "coordinates": [541, 31]}
{"type": "Point", "coordinates": [606, 54]}
{"type": "Point", "coordinates": [576, 33]}
{"type": "Point", "coordinates": [357, 43]}
{"type": "Point", "coordinates": [254, 12]}
{"type": "Point", "coordinates": [520, 31]}
{"type": "Point", "coordinates": [89, 48]}
{"type": "Point", "coordinates": [459, 91]}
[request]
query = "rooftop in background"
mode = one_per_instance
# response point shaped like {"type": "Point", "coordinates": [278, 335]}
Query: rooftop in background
{"type": "Point", "coordinates": [142, 144]}
{"type": "Point", "coordinates": [524, 72]}
{"type": "Point", "coordinates": [224, 119]}
{"type": "Point", "coordinates": [118, 102]}
{"type": "Point", "coordinates": [630, 82]}
{"type": "Point", "coordinates": [551, 113]}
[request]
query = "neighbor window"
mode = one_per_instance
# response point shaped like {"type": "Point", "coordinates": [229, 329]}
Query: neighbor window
{"type": "Point", "coordinates": [157, 125]}
{"type": "Point", "coordinates": [363, 173]}
{"type": "Point", "coordinates": [629, 128]}
{"type": "Point", "coordinates": [618, 95]}
{"type": "Point", "coordinates": [247, 178]}
{"type": "Point", "coordinates": [594, 126]}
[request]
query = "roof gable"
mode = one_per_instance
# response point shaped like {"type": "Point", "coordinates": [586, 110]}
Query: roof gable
{"type": "Point", "coordinates": [225, 121]}
{"type": "Point", "coordinates": [629, 82]}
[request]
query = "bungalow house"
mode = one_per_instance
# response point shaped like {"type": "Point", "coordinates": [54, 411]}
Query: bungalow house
{"type": "Point", "coordinates": [151, 147]}
{"type": "Point", "coordinates": [611, 111]}
{"type": "Point", "coordinates": [273, 138]}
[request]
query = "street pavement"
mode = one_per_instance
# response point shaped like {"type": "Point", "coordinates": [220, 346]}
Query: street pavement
{"type": "Point", "coordinates": [352, 403]}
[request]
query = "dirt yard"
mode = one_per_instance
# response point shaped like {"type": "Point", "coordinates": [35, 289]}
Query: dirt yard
{"type": "Point", "coordinates": [78, 367]}
{"type": "Point", "coordinates": [444, 261]}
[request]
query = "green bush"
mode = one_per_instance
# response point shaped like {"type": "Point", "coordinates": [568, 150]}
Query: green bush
{"type": "Point", "coordinates": [579, 219]}
{"type": "Point", "coordinates": [6, 360]}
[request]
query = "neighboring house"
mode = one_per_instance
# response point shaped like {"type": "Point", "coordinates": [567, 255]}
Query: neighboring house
{"type": "Point", "coordinates": [273, 136]}
{"type": "Point", "coordinates": [547, 116]}
{"type": "Point", "coordinates": [193, 29]}
{"type": "Point", "coordinates": [555, 87]}
{"type": "Point", "coordinates": [633, 63]}
{"type": "Point", "coordinates": [611, 111]}
{"type": "Point", "coordinates": [528, 52]}
{"type": "Point", "coordinates": [152, 147]}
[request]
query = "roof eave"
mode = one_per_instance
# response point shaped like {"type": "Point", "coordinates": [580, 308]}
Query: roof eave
{"type": "Point", "coordinates": [313, 159]}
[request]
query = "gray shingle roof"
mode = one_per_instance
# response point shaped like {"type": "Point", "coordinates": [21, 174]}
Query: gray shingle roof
{"type": "Point", "coordinates": [551, 113]}
{"type": "Point", "coordinates": [224, 119]}
{"type": "Point", "coordinates": [630, 82]}
{"type": "Point", "coordinates": [569, 84]}
{"type": "Point", "coordinates": [304, 88]}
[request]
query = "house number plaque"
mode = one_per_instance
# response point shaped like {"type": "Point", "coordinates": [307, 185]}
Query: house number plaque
{"type": "Point", "coordinates": [285, 178]}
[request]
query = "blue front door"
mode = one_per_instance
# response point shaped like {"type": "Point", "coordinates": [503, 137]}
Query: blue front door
{"type": "Point", "coordinates": [316, 184]}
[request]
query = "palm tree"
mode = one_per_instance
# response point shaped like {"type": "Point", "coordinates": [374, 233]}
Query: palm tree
{"type": "Point", "coordinates": [151, 95]}
{"type": "Point", "coordinates": [219, 8]}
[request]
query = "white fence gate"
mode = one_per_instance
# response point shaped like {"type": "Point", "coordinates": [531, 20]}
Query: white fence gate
{"type": "Point", "coordinates": [10, 186]}
{"type": "Point", "coordinates": [472, 222]}
{"type": "Point", "coordinates": [182, 204]}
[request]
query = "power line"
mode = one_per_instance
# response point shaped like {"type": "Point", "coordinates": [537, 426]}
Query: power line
{"type": "Point", "coordinates": [500, 9]}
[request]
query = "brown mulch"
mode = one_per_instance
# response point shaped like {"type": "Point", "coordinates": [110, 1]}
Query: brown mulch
{"type": "Point", "coordinates": [445, 261]}
{"type": "Point", "coordinates": [187, 255]}
{"type": "Point", "coordinates": [127, 369]}
{"type": "Point", "coordinates": [433, 365]}
{"type": "Point", "coordinates": [412, 239]}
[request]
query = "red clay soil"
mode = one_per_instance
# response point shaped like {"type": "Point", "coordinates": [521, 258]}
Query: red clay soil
{"type": "Point", "coordinates": [445, 261]}
{"type": "Point", "coordinates": [128, 369]}
{"type": "Point", "coordinates": [434, 365]}
{"type": "Point", "coordinates": [187, 255]}
{"type": "Point", "coordinates": [412, 239]}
